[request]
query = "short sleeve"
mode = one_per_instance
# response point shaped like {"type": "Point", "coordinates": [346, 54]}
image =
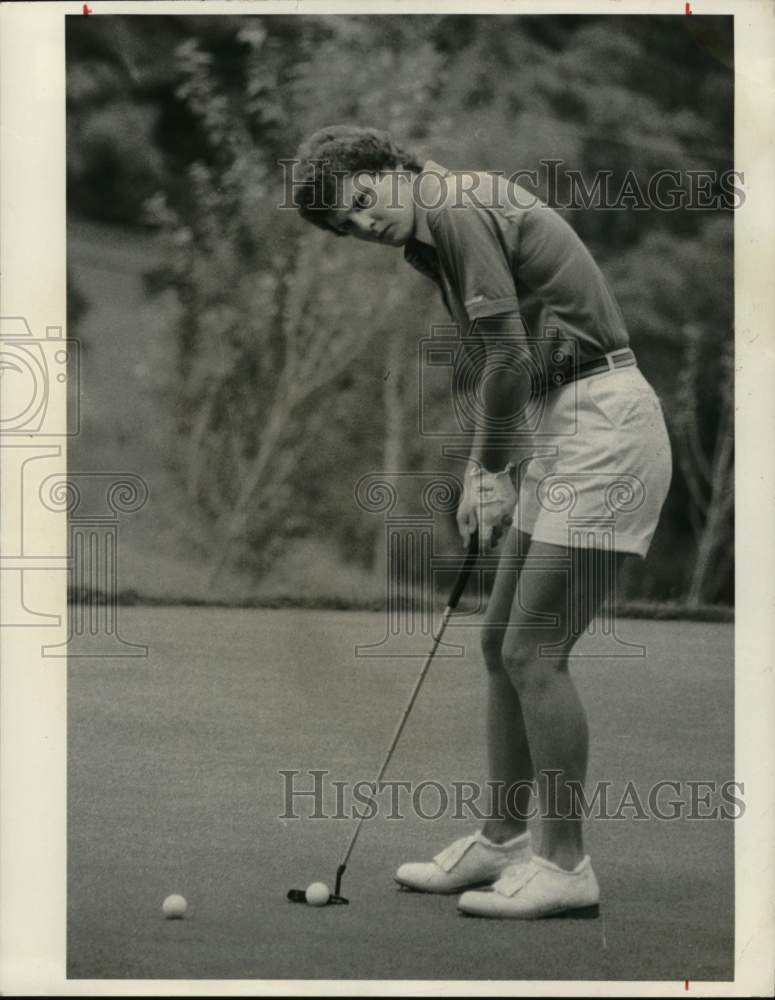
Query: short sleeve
{"type": "Point", "coordinates": [472, 255]}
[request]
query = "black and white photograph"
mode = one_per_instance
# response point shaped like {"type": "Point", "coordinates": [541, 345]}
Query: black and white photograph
{"type": "Point", "coordinates": [392, 459]}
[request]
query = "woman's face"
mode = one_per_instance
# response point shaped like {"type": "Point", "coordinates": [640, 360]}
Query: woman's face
{"type": "Point", "coordinates": [377, 208]}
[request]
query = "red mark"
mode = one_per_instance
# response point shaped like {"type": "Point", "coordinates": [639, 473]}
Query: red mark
{"type": "Point", "coordinates": [87, 8]}
{"type": "Point", "coordinates": [686, 981]}
{"type": "Point", "coordinates": [687, 10]}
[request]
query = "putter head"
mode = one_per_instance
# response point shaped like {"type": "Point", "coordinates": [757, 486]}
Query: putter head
{"type": "Point", "coordinates": [300, 896]}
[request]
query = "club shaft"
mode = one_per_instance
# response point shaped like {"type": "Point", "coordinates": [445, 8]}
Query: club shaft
{"type": "Point", "coordinates": [400, 727]}
{"type": "Point", "coordinates": [457, 591]}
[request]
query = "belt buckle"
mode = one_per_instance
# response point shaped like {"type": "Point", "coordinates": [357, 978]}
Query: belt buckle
{"type": "Point", "coordinates": [622, 355]}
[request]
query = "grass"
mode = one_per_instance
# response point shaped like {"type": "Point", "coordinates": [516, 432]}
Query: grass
{"type": "Point", "coordinates": [174, 785]}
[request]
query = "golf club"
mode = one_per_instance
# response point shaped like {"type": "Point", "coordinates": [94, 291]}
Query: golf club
{"type": "Point", "coordinates": [298, 895]}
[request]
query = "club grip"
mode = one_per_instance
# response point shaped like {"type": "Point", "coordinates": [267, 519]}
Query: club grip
{"type": "Point", "coordinates": [465, 571]}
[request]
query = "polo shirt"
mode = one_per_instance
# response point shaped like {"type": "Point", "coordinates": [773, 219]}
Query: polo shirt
{"type": "Point", "coordinates": [500, 250]}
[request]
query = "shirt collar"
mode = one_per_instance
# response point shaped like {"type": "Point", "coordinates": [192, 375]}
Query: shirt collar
{"type": "Point", "coordinates": [427, 187]}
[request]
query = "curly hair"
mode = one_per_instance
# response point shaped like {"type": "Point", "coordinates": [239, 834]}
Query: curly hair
{"type": "Point", "coordinates": [342, 149]}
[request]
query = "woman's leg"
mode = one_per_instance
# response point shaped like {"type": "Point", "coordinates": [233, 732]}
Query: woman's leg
{"type": "Point", "coordinates": [554, 719]}
{"type": "Point", "coordinates": [510, 765]}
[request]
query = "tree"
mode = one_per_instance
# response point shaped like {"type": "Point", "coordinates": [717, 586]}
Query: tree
{"type": "Point", "coordinates": [706, 458]}
{"type": "Point", "coordinates": [272, 318]}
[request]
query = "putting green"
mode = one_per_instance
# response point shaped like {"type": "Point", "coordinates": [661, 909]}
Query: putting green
{"type": "Point", "coordinates": [174, 786]}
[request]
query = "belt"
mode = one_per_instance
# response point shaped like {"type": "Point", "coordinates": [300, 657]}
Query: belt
{"type": "Point", "coordinates": [622, 358]}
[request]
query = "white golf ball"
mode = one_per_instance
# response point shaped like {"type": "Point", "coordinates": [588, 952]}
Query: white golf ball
{"type": "Point", "coordinates": [317, 894]}
{"type": "Point", "coordinates": [174, 907]}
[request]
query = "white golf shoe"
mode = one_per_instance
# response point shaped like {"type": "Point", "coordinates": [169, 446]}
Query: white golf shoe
{"type": "Point", "coordinates": [470, 861]}
{"type": "Point", "coordinates": [535, 889]}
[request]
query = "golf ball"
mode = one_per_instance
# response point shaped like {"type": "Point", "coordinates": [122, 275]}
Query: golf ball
{"type": "Point", "coordinates": [174, 907]}
{"type": "Point", "coordinates": [317, 894]}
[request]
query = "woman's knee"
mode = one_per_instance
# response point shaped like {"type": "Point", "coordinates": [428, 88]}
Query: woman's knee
{"type": "Point", "coordinates": [529, 671]}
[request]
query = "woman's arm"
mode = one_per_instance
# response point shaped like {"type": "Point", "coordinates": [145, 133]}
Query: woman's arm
{"type": "Point", "coordinates": [504, 386]}
{"type": "Point", "coordinates": [503, 389]}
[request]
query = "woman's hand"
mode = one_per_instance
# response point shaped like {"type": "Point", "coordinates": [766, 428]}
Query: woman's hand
{"type": "Point", "coordinates": [466, 516]}
{"type": "Point", "coordinates": [488, 503]}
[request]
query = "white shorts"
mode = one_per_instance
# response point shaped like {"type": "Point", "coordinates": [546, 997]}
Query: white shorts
{"type": "Point", "coordinates": [602, 465]}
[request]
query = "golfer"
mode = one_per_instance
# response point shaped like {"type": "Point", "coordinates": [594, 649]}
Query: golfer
{"type": "Point", "coordinates": [549, 348]}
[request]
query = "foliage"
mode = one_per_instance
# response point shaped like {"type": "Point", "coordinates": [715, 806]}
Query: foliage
{"type": "Point", "coordinates": [278, 399]}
